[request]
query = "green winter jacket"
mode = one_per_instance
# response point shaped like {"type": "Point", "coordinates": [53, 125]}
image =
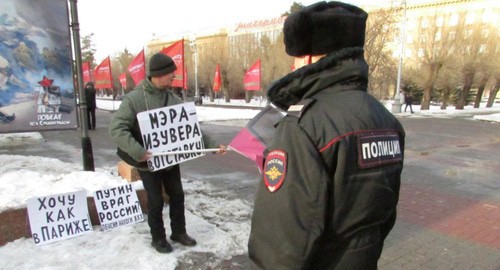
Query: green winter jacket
{"type": "Point", "coordinates": [124, 128]}
{"type": "Point", "coordinates": [331, 179]}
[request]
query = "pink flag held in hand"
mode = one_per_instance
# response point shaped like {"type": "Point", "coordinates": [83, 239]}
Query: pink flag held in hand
{"type": "Point", "coordinates": [254, 138]}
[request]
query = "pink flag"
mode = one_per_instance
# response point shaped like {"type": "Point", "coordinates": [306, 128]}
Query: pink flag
{"type": "Point", "coordinates": [249, 146]}
{"type": "Point", "coordinates": [137, 68]}
{"type": "Point", "coordinates": [256, 136]}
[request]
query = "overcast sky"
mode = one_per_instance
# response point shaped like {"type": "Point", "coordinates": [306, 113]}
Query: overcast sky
{"type": "Point", "coordinates": [120, 24]}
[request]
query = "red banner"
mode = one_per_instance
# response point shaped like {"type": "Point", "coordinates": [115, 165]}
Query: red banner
{"type": "Point", "coordinates": [123, 80]}
{"type": "Point", "coordinates": [176, 52]}
{"type": "Point", "coordinates": [137, 68]}
{"type": "Point", "coordinates": [87, 73]}
{"type": "Point", "coordinates": [251, 81]}
{"type": "Point", "coordinates": [217, 79]}
{"type": "Point", "coordinates": [102, 75]}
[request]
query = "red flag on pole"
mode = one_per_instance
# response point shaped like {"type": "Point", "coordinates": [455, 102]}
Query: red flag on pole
{"type": "Point", "coordinates": [123, 79]}
{"type": "Point", "coordinates": [102, 74]}
{"type": "Point", "coordinates": [87, 73]}
{"type": "Point", "coordinates": [137, 68]}
{"type": "Point", "coordinates": [217, 79]}
{"type": "Point", "coordinates": [251, 81]}
{"type": "Point", "coordinates": [253, 139]}
{"type": "Point", "coordinates": [176, 52]}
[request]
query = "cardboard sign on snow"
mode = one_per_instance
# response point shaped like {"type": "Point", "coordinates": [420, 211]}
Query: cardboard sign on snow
{"type": "Point", "coordinates": [117, 206]}
{"type": "Point", "coordinates": [58, 217]}
{"type": "Point", "coordinates": [169, 129]}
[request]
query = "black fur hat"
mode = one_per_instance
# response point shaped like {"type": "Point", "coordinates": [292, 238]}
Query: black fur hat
{"type": "Point", "coordinates": [324, 27]}
{"type": "Point", "coordinates": [161, 64]}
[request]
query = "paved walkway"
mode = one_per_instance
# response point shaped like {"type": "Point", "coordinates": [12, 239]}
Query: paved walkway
{"type": "Point", "coordinates": [449, 207]}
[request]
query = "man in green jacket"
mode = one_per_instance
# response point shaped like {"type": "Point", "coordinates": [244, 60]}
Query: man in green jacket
{"type": "Point", "coordinates": [331, 177]}
{"type": "Point", "coordinates": [153, 93]}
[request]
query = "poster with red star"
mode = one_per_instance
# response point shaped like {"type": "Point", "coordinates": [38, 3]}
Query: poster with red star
{"type": "Point", "coordinates": [36, 77]}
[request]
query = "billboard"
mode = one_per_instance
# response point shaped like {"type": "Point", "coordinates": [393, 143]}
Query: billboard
{"type": "Point", "coordinates": [36, 78]}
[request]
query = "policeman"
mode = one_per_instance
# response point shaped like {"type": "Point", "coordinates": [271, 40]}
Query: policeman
{"type": "Point", "coordinates": [331, 178]}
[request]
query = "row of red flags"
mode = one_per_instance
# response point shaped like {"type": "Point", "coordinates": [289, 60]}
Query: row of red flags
{"type": "Point", "coordinates": [251, 141]}
{"type": "Point", "coordinates": [102, 77]}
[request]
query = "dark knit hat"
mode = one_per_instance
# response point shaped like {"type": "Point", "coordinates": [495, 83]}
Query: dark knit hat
{"type": "Point", "coordinates": [324, 27]}
{"type": "Point", "coordinates": [161, 64]}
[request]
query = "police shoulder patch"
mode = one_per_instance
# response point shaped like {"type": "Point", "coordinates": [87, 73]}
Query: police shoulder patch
{"type": "Point", "coordinates": [275, 169]}
{"type": "Point", "coordinates": [379, 149]}
{"type": "Point", "coordinates": [298, 109]}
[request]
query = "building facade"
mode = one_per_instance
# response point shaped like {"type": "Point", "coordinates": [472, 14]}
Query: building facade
{"type": "Point", "coordinates": [411, 42]}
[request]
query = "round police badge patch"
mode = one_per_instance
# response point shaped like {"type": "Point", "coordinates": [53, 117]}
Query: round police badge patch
{"type": "Point", "coordinates": [275, 169]}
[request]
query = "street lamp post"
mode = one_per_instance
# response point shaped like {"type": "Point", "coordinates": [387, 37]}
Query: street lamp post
{"type": "Point", "coordinates": [87, 153]}
{"type": "Point", "coordinates": [396, 106]}
{"type": "Point", "coordinates": [192, 44]}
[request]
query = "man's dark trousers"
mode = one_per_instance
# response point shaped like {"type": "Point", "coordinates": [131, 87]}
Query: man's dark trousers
{"type": "Point", "coordinates": [171, 180]}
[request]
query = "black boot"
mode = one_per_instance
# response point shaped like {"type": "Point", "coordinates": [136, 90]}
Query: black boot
{"type": "Point", "coordinates": [162, 246]}
{"type": "Point", "coordinates": [183, 239]}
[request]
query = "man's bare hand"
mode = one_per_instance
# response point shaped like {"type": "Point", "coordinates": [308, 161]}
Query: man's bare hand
{"type": "Point", "coordinates": [222, 150]}
{"type": "Point", "coordinates": [146, 156]}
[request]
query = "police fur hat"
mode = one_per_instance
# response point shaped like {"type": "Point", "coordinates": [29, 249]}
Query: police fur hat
{"type": "Point", "coordinates": [324, 27]}
{"type": "Point", "coordinates": [161, 64]}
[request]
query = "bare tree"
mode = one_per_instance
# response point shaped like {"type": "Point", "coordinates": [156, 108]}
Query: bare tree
{"type": "Point", "coordinates": [211, 54]}
{"type": "Point", "coordinates": [433, 46]}
{"type": "Point", "coordinates": [236, 71]}
{"type": "Point", "coordinates": [494, 90]}
{"type": "Point", "coordinates": [294, 8]}
{"type": "Point", "coordinates": [480, 88]}
{"type": "Point", "coordinates": [447, 81]}
{"type": "Point", "coordinates": [88, 49]}
{"type": "Point", "coordinates": [472, 40]}
{"type": "Point", "coordinates": [380, 31]}
{"type": "Point", "coordinates": [275, 62]}
{"type": "Point", "coordinates": [487, 67]}
{"type": "Point", "coordinates": [124, 59]}
{"type": "Point", "coordinates": [240, 59]}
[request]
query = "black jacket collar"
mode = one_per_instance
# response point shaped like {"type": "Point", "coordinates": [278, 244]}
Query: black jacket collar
{"type": "Point", "coordinates": [345, 69]}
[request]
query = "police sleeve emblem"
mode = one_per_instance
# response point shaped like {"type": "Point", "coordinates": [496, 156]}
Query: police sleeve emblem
{"type": "Point", "coordinates": [275, 169]}
{"type": "Point", "coordinates": [378, 150]}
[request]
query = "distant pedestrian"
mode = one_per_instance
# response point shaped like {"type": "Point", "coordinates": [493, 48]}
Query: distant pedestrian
{"type": "Point", "coordinates": [408, 101]}
{"type": "Point", "coordinates": [91, 105]}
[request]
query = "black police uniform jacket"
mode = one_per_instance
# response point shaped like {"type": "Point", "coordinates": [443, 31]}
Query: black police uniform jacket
{"type": "Point", "coordinates": [332, 173]}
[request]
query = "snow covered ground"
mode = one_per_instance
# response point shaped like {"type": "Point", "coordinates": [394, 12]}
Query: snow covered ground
{"type": "Point", "coordinates": [220, 225]}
